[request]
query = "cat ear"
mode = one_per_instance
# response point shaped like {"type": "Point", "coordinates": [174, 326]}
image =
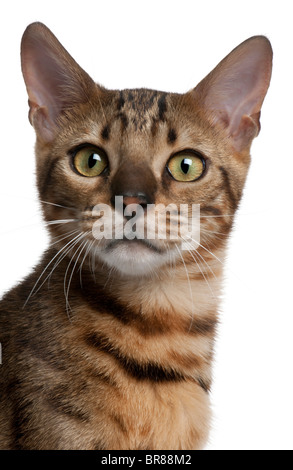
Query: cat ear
{"type": "Point", "coordinates": [54, 81]}
{"type": "Point", "coordinates": [233, 93]}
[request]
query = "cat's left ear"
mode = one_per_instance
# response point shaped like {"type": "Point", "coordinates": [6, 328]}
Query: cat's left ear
{"type": "Point", "coordinates": [232, 94]}
{"type": "Point", "coordinates": [54, 81]}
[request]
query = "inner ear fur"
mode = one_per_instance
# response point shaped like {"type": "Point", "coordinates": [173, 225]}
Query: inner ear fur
{"type": "Point", "coordinates": [54, 80]}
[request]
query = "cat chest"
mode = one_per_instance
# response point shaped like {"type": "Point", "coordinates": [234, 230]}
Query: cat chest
{"type": "Point", "coordinates": [144, 416]}
{"type": "Point", "coordinates": [107, 399]}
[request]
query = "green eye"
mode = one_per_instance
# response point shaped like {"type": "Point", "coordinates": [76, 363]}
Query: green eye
{"type": "Point", "coordinates": [186, 166]}
{"type": "Point", "coordinates": [90, 161]}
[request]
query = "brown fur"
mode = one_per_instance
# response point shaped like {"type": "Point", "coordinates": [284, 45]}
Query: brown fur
{"type": "Point", "coordinates": [127, 363]}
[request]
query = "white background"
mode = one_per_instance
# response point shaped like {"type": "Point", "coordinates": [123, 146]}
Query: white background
{"type": "Point", "coordinates": [171, 45]}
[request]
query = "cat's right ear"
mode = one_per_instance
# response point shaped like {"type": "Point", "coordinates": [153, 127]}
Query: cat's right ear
{"type": "Point", "coordinates": [54, 81]}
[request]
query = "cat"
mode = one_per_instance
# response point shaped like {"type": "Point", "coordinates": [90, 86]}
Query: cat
{"type": "Point", "coordinates": [108, 343]}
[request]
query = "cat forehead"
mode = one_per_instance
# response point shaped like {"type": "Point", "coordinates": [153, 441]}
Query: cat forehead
{"type": "Point", "coordinates": [142, 108]}
{"type": "Point", "coordinates": [143, 100]}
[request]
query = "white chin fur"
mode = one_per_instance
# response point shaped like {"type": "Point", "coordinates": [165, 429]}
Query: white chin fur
{"type": "Point", "coordinates": [134, 259]}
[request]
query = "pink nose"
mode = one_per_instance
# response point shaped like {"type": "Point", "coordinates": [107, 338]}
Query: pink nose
{"type": "Point", "coordinates": [137, 201]}
{"type": "Point", "coordinates": [131, 200]}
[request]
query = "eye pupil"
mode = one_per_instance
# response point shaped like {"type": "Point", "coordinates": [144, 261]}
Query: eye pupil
{"type": "Point", "coordinates": [93, 160]}
{"type": "Point", "coordinates": [185, 165]}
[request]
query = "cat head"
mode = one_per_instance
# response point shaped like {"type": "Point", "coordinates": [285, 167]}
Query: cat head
{"type": "Point", "coordinates": [105, 153]}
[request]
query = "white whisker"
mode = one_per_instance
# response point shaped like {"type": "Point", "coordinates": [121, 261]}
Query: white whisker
{"type": "Point", "coordinates": [40, 277]}
{"type": "Point", "coordinates": [36, 200]}
{"type": "Point", "coordinates": [61, 255]}
{"type": "Point", "coordinates": [189, 284]}
{"type": "Point", "coordinates": [216, 216]}
{"type": "Point", "coordinates": [57, 222]}
{"type": "Point", "coordinates": [93, 260]}
{"type": "Point", "coordinates": [222, 263]}
{"type": "Point", "coordinates": [212, 231]}
{"type": "Point", "coordinates": [210, 252]}
{"type": "Point", "coordinates": [58, 205]}
{"type": "Point", "coordinates": [198, 265]}
{"type": "Point", "coordinates": [202, 258]}
{"type": "Point", "coordinates": [109, 275]}
{"type": "Point", "coordinates": [62, 237]}
{"type": "Point", "coordinates": [61, 258]}
{"type": "Point", "coordinates": [90, 245]}
{"type": "Point", "coordinates": [37, 224]}
{"type": "Point", "coordinates": [78, 251]}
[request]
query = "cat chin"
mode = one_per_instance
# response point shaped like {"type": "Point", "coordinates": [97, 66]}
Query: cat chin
{"type": "Point", "coordinates": [135, 258]}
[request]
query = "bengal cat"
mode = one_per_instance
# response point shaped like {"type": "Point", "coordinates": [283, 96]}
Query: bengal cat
{"type": "Point", "coordinates": [108, 343]}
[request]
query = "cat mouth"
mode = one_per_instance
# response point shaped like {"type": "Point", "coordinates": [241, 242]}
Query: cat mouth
{"type": "Point", "coordinates": [135, 245]}
{"type": "Point", "coordinates": [137, 257]}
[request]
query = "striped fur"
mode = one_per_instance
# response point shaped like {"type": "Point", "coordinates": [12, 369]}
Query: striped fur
{"type": "Point", "coordinates": [98, 355]}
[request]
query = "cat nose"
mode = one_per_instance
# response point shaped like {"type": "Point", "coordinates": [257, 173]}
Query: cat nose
{"type": "Point", "coordinates": [136, 201]}
{"type": "Point", "coordinates": [139, 199]}
{"type": "Point", "coordinates": [136, 184]}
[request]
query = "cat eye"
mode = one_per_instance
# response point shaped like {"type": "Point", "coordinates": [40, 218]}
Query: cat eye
{"type": "Point", "coordinates": [90, 161]}
{"type": "Point", "coordinates": [186, 166]}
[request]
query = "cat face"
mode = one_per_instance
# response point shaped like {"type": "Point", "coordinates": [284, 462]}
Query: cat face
{"type": "Point", "coordinates": [147, 147]}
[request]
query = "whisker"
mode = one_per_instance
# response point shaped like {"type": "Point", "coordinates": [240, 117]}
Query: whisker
{"type": "Point", "coordinates": [109, 275]}
{"type": "Point", "coordinates": [220, 261]}
{"type": "Point", "coordinates": [202, 229]}
{"type": "Point", "coordinates": [62, 237]}
{"type": "Point", "coordinates": [23, 227]}
{"type": "Point", "coordinates": [236, 214]}
{"type": "Point", "coordinates": [37, 224]}
{"type": "Point", "coordinates": [207, 264]}
{"type": "Point", "coordinates": [66, 291]}
{"type": "Point", "coordinates": [91, 263]}
{"type": "Point", "coordinates": [57, 222]}
{"type": "Point", "coordinates": [93, 260]}
{"type": "Point", "coordinates": [216, 216]}
{"type": "Point", "coordinates": [210, 252]}
{"type": "Point", "coordinates": [172, 261]}
{"type": "Point", "coordinates": [59, 205]}
{"type": "Point", "coordinates": [36, 200]}
{"type": "Point", "coordinates": [60, 259]}
{"type": "Point", "coordinates": [198, 265]}
{"type": "Point", "coordinates": [189, 284]}
{"type": "Point", "coordinates": [90, 245]}
{"type": "Point", "coordinates": [208, 244]}
{"type": "Point", "coordinates": [40, 277]}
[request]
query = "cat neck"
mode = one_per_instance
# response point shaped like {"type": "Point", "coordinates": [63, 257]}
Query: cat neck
{"type": "Point", "coordinates": [187, 289]}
